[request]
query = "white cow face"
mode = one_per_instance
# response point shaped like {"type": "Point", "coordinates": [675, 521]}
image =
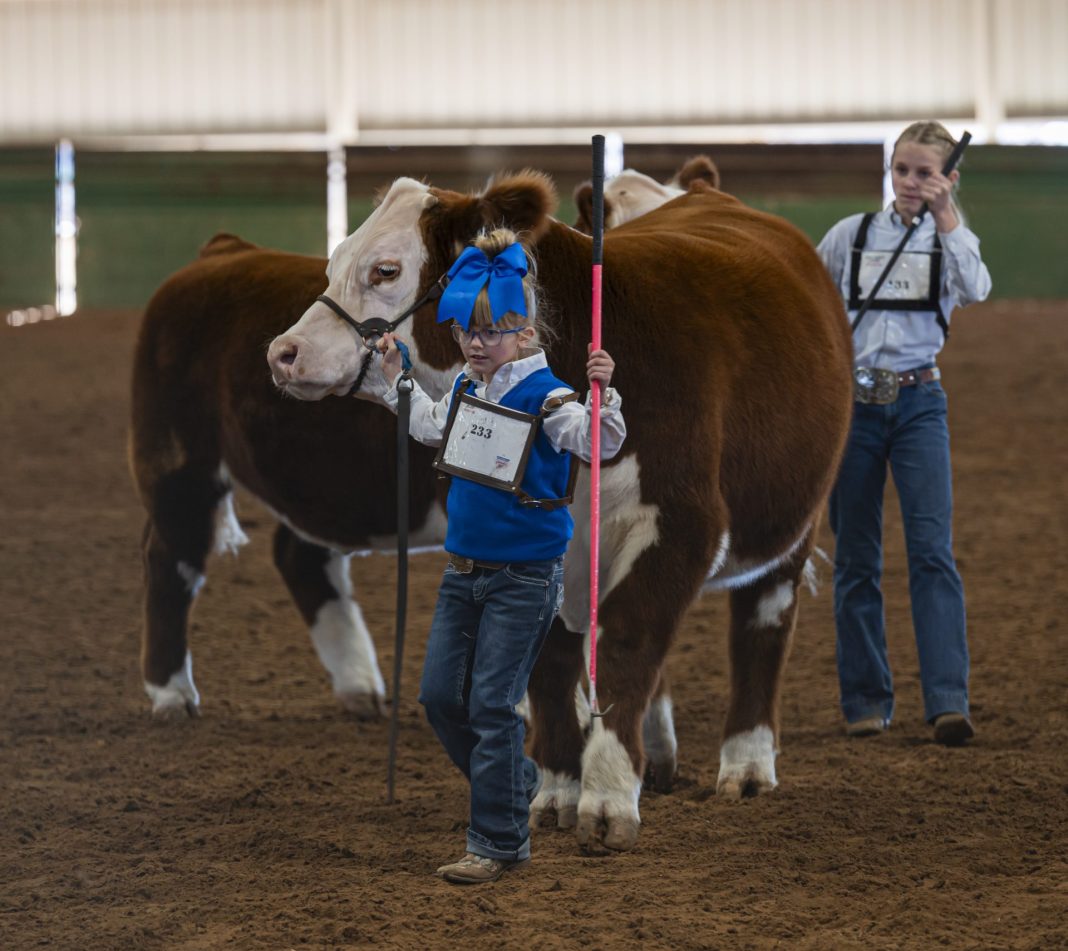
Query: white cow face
{"type": "Point", "coordinates": [374, 272]}
{"type": "Point", "coordinates": [631, 194]}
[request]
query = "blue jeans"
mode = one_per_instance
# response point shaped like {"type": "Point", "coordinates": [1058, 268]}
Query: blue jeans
{"type": "Point", "coordinates": [487, 631]}
{"type": "Point", "coordinates": [912, 436]}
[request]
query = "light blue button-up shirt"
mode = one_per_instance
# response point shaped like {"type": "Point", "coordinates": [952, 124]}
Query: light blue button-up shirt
{"type": "Point", "coordinates": [902, 340]}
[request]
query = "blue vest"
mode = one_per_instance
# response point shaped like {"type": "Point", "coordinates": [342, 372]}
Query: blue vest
{"type": "Point", "coordinates": [489, 524]}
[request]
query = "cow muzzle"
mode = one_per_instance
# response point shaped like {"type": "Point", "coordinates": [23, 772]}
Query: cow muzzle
{"type": "Point", "coordinates": [296, 369]}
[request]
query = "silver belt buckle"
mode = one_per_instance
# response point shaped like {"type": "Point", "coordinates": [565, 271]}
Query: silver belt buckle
{"type": "Point", "coordinates": [874, 385]}
{"type": "Point", "coordinates": [463, 566]}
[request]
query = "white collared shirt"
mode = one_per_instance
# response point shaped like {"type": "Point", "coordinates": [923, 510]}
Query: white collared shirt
{"type": "Point", "coordinates": [567, 428]}
{"type": "Point", "coordinates": [902, 340]}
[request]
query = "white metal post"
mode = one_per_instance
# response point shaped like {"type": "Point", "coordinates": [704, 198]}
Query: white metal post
{"type": "Point", "coordinates": [66, 231]}
{"type": "Point", "coordinates": [337, 198]}
{"type": "Point", "coordinates": [613, 155]}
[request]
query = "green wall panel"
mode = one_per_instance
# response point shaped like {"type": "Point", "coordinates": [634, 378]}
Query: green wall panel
{"type": "Point", "coordinates": [144, 215]}
{"type": "Point", "coordinates": [27, 227]}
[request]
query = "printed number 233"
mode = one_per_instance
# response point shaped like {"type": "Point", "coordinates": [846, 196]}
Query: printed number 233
{"type": "Point", "coordinates": [482, 431]}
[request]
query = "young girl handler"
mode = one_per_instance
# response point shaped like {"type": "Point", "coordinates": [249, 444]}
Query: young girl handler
{"type": "Point", "coordinates": [504, 581]}
{"type": "Point", "coordinates": [900, 418]}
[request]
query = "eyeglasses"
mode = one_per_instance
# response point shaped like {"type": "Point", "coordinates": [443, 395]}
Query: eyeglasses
{"type": "Point", "coordinates": [489, 336]}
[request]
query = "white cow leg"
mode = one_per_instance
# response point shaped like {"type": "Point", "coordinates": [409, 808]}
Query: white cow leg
{"type": "Point", "coordinates": [644, 589]}
{"type": "Point", "coordinates": [763, 615]}
{"type": "Point", "coordinates": [178, 698]}
{"type": "Point", "coordinates": [318, 579]}
{"type": "Point", "coordinates": [658, 738]}
{"type": "Point", "coordinates": [344, 646]}
{"type": "Point", "coordinates": [174, 554]}
{"type": "Point", "coordinates": [608, 807]}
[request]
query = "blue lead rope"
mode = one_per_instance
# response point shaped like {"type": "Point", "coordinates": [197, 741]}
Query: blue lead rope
{"type": "Point", "coordinates": [406, 357]}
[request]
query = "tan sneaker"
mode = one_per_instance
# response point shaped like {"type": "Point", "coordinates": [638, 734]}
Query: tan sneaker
{"type": "Point", "coordinates": [474, 869]}
{"type": "Point", "coordinates": [953, 729]}
{"type": "Point", "coordinates": [869, 726]}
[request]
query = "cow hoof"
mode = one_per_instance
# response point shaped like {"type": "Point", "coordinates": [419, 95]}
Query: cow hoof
{"type": "Point", "coordinates": [554, 817]}
{"type": "Point", "coordinates": [600, 836]}
{"type": "Point", "coordinates": [566, 817]}
{"type": "Point", "coordinates": [556, 804]}
{"type": "Point", "coordinates": [363, 706]}
{"type": "Point", "coordinates": [660, 776]}
{"type": "Point", "coordinates": [744, 784]}
{"type": "Point", "coordinates": [622, 834]}
{"type": "Point", "coordinates": [747, 764]}
{"type": "Point", "coordinates": [178, 698]}
{"type": "Point", "coordinates": [590, 834]}
{"type": "Point", "coordinates": [175, 710]}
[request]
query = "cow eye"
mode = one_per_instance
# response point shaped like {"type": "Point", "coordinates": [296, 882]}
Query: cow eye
{"type": "Point", "coordinates": [386, 271]}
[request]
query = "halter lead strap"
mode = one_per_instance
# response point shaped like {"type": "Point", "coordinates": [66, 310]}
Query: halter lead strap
{"type": "Point", "coordinates": [369, 330]}
{"type": "Point", "coordinates": [404, 406]}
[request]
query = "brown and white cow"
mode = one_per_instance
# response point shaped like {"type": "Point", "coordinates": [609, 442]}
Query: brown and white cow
{"type": "Point", "coordinates": [206, 415]}
{"type": "Point", "coordinates": [733, 356]}
{"type": "Point", "coordinates": [631, 193]}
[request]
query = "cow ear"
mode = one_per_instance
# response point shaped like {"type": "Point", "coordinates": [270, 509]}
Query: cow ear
{"type": "Point", "coordinates": [225, 243]}
{"type": "Point", "coordinates": [699, 170]}
{"type": "Point", "coordinates": [521, 202]}
{"type": "Point", "coordinates": [584, 207]}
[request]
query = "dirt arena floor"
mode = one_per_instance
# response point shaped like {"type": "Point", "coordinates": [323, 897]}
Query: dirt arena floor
{"type": "Point", "coordinates": [264, 823]}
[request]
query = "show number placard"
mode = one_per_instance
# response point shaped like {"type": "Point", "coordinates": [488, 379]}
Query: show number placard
{"type": "Point", "coordinates": [487, 443]}
{"type": "Point", "coordinates": [909, 280]}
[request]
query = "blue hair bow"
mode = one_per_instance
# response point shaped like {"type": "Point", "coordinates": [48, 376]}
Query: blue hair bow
{"type": "Point", "coordinates": [471, 272]}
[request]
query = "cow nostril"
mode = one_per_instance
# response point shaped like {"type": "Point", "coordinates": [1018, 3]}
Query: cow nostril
{"type": "Point", "coordinates": [282, 355]}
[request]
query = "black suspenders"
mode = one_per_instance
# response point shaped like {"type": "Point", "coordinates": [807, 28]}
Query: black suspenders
{"type": "Point", "coordinates": [930, 303]}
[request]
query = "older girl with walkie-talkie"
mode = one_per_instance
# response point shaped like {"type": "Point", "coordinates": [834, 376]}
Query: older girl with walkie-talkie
{"type": "Point", "coordinates": [900, 419]}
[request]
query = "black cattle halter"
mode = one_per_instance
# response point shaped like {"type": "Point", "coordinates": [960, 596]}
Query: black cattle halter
{"type": "Point", "coordinates": [374, 327]}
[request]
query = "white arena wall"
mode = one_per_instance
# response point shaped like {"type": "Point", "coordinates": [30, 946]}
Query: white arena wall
{"type": "Point", "coordinates": [320, 73]}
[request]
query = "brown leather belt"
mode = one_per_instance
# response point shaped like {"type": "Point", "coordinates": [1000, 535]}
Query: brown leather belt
{"type": "Point", "coordinates": [879, 386]}
{"type": "Point", "coordinates": [466, 565]}
{"type": "Point", "coordinates": [912, 377]}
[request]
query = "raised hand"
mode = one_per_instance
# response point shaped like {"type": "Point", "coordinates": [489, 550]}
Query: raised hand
{"type": "Point", "coordinates": [599, 366]}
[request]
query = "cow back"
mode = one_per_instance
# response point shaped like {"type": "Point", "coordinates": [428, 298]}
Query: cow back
{"type": "Point", "coordinates": [203, 396]}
